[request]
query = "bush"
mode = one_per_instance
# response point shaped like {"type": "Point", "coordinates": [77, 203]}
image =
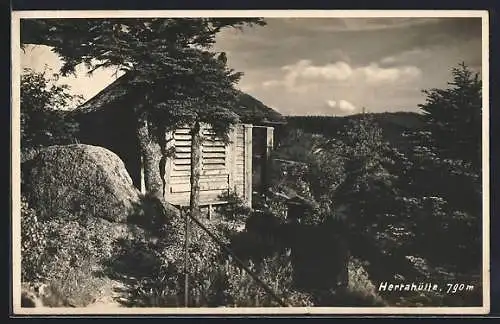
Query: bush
{"type": "Point", "coordinates": [33, 244]}
{"type": "Point", "coordinates": [213, 279]}
{"type": "Point", "coordinates": [276, 271]}
{"type": "Point", "coordinates": [67, 255]}
{"type": "Point", "coordinates": [79, 286]}
{"type": "Point", "coordinates": [235, 209]}
{"type": "Point", "coordinates": [163, 286]}
{"type": "Point", "coordinates": [360, 291]}
{"type": "Point", "coordinates": [360, 288]}
{"type": "Point", "coordinates": [43, 119]}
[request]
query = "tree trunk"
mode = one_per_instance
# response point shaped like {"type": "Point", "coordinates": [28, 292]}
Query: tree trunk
{"type": "Point", "coordinates": [151, 156]}
{"type": "Point", "coordinates": [194, 202]}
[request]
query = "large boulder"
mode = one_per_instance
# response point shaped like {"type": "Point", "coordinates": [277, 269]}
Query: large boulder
{"type": "Point", "coordinates": [74, 180]}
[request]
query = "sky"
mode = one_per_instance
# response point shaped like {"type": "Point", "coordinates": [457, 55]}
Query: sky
{"type": "Point", "coordinates": [328, 66]}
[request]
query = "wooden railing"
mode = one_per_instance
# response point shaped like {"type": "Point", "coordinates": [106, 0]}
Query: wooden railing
{"type": "Point", "coordinates": [187, 218]}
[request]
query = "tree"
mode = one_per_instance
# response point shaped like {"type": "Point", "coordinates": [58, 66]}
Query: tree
{"type": "Point", "coordinates": [447, 164]}
{"type": "Point", "coordinates": [368, 184]}
{"type": "Point", "coordinates": [43, 120]}
{"type": "Point", "coordinates": [171, 61]}
{"type": "Point", "coordinates": [453, 117]}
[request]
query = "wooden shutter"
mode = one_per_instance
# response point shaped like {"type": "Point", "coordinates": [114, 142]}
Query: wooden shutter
{"type": "Point", "coordinates": [214, 152]}
{"type": "Point", "coordinates": [182, 159]}
{"type": "Point", "coordinates": [215, 173]}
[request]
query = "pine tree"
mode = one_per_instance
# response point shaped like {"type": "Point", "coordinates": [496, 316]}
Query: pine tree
{"type": "Point", "coordinates": [453, 117]}
{"type": "Point", "coordinates": [446, 168]}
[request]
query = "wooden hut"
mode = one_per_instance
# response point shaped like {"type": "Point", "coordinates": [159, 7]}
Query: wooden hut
{"type": "Point", "coordinates": [107, 120]}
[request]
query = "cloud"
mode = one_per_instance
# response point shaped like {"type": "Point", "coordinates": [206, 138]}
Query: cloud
{"type": "Point", "coordinates": [343, 105]}
{"type": "Point", "coordinates": [379, 23]}
{"type": "Point", "coordinates": [373, 73]}
{"type": "Point", "coordinates": [412, 55]}
{"type": "Point", "coordinates": [304, 69]}
{"type": "Point", "coordinates": [331, 103]}
{"type": "Point", "coordinates": [303, 75]}
{"type": "Point", "coordinates": [346, 106]}
{"type": "Point", "coordinates": [271, 83]}
{"type": "Point", "coordinates": [380, 63]}
{"type": "Point", "coordinates": [337, 24]}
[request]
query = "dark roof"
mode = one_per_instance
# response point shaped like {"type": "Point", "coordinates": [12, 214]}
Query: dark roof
{"type": "Point", "coordinates": [112, 93]}
{"type": "Point", "coordinates": [248, 108]}
{"type": "Point", "coordinates": [252, 110]}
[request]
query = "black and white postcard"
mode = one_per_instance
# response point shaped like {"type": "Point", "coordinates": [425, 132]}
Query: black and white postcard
{"type": "Point", "coordinates": [260, 162]}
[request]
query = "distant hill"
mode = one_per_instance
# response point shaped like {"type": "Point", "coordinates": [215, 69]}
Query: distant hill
{"type": "Point", "coordinates": [393, 124]}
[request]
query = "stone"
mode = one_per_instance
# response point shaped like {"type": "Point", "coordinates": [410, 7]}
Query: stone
{"type": "Point", "coordinates": [78, 179]}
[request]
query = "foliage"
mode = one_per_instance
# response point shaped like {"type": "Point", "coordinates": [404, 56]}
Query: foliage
{"type": "Point", "coordinates": [33, 243]}
{"type": "Point", "coordinates": [78, 287]}
{"type": "Point", "coordinates": [214, 280]}
{"type": "Point", "coordinates": [297, 146]}
{"type": "Point", "coordinates": [360, 283]}
{"type": "Point", "coordinates": [341, 172]}
{"type": "Point", "coordinates": [44, 121]}
{"type": "Point", "coordinates": [65, 254]}
{"type": "Point", "coordinates": [277, 272]}
{"type": "Point", "coordinates": [399, 201]}
{"type": "Point", "coordinates": [172, 61]}
{"type": "Point", "coordinates": [368, 184]}
{"type": "Point", "coordinates": [453, 117]}
{"type": "Point", "coordinates": [394, 124]}
{"type": "Point", "coordinates": [295, 173]}
{"type": "Point", "coordinates": [235, 208]}
{"type": "Point", "coordinates": [360, 291]}
{"type": "Point", "coordinates": [445, 168]}
{"type": "Point", "coordinates": [123, 42]}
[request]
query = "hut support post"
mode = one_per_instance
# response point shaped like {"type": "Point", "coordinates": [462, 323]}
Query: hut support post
{"type": "Point", "coordinates": [267, 163]}
{"type": "Point", "coordinates": [248, 164]}
{"type": "Point", "coordinates": [210, 210]}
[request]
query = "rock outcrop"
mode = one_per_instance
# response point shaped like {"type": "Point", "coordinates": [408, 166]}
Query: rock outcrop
{"type": "Point", "coordinates": [78, 179]}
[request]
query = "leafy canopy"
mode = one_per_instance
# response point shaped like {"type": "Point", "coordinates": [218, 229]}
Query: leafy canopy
{"type": "Point", "coordinates": [170, 60]}
{"type": "Point", "coordinates": [43, 121]}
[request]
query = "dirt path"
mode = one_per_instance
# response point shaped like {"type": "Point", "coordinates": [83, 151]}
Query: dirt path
{"type": "Point", "coordinates": [116, 296]}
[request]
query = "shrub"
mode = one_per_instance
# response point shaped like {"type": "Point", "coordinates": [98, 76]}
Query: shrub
{"type": "Point", "coordinates": [235, 208]}
{"type": "Point", "coordinates": [43, 119]}
{"type": "Point", "coordinates": [79, 286]}
{"type": "Point", "coordinates": [360, 291]}
{"type": "Point", "coordinates": [163, 287]}
{"type": "Point", "coordinates": [276, 272]}
{"type": "Point", "coordinates": [33, 244]}
{"type": "Point", "coordinates": [65, 254]}
{"type": "Point", "coordinates": [213, 279]}
{"type": "Point", "coordinates": [360, 288]}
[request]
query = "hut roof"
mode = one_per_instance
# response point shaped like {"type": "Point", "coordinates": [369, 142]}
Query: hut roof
{"type": "Point", "coordinates": [248, 108]}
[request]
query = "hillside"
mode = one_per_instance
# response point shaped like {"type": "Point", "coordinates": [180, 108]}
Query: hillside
{"type": "Point", "coordinates": [392, 124]}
